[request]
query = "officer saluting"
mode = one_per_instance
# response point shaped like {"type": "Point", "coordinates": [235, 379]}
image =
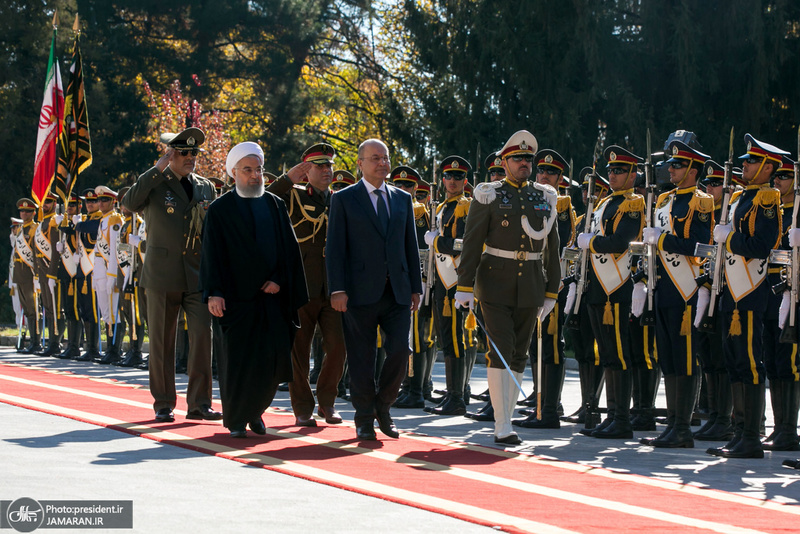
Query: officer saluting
{"type": "Point", "coordinates": [510, 261]}
{"type": "Point", "coordinates": [615, 222]}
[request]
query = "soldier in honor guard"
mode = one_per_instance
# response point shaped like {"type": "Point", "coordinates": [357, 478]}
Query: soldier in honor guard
{"type": "Point", "coordinates": [70, 276]}
{"type": "Point", "coordinates": [494, 167]}
{"type": "Point", "coordinates": [13, 291]}
{"type": "Point", "coordinates": [105, 272]}
{"type": "Point", "coordinates": [616, 222]}
{"type": "Point", "coordinates": [754, 230]}
{"type": "Point", "coordinates": [24, 278]}
{"type": "Point", "coordinates": [780, 358]}
{"type": "Point", "coordinates": [444, 242]}
{"type": "Point", "coordinates": [173, 200]}
{"type": "Point", "coordinates": [709, 350]}
{"type": "Point", "coordinates": [46, 268]}
{"type": "Point", "coordinates": [590, 371]}
{"type": "Point", "coordinates": [510, 264]}
{"type": "Point", "coordinates": [341, 179]}
{"type": "Point", "coordinates": [86, 230]}
{"type": "Point", "coordinates": [411, 394]}
{"type": "Point", "coordinates": [133, 303]}
{"type": "Point", "coordinates": [550, 169]}
{"type": "Point", "coordinates": [308, 205]}
{"type": "Point", "coordinates": [683, 217]}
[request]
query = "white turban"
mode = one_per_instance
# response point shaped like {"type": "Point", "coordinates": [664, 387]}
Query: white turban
{"type": "Point", "coordinates": [242, 150]}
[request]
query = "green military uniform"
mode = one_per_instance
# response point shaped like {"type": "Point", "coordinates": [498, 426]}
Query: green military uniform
{"type": "Point", "coordinates": [308, 211]}
{"type": "Point", "coordinates": [170, 274]}
{"type": "Point", "coordinates": [46, 268]}
{"type": "Point", "coordinates": [510, 261]}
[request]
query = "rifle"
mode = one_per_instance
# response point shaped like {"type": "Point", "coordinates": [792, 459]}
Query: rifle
{"type": "Point", "coordinates": [432, 203]}
{"type": "Point", "coordinates": [132, 282]}
{"type": "Point", "coordinates": [716, 253]}
{"type": "Point", "coordinates": [789, 330]}
{"type": "Point", "coordinates": [649, 317]}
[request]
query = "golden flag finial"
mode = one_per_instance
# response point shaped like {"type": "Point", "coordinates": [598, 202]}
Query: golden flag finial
{"type": "Point", "coordinates": [55, 20]}
{"type": "Point", "coordinates": [76, 27]}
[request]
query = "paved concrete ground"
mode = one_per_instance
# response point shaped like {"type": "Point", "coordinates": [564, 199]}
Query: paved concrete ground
{"type": "Point", "coordinates": [47, 457]}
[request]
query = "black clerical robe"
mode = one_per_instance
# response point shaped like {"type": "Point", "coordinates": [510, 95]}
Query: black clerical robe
{"type": "Point", "coordinates": [247, 242]}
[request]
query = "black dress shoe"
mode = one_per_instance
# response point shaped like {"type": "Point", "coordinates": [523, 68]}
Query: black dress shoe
{"type": "Point", "coordinates": [257, 426]}
{"type": "Point", "coordinates": [366, 432]}
{"type": "Point", "coordinates": [386, 425]}
{"type": "Point", "coordinates": [305, 420]}
{"type": "Point", "coordinates": [511, 439]}
{"type": "Point", "coordinates": [239, 431]}
{"type": "Point", "coordinates": [204, 412]}
{"type": "Point", "coordinates": [164, 415]}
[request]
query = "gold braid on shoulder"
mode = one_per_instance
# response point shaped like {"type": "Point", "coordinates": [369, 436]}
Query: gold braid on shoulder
{"type": "Point", "coordinates": [316, 222]}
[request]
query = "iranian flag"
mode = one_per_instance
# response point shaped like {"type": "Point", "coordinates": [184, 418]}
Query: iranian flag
{"type": "Point", "coordinates": [51, 121]}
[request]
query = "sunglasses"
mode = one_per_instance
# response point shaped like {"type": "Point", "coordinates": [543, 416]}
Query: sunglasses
{"type": "Point", "coordinates": [497, 173]}
{"type": "Point", "coordinates": [526, 159]}
{"type": "Point", "coordinates": [184, 153]}
{"type": "Point", "coordinates": [677, 165]}
{"type": "Point", "coordinates": [453, 176]}
{"type": "Point", "coordinates": [784, 176]}
{"type": "Point", "coordinates": [550, 171]}
{"type": "Point", "coordinates": [618, 170]}
{"type": "Point", "coordinates": [715, 183]}
{"type": "Point", "coordinates": [753, 160]}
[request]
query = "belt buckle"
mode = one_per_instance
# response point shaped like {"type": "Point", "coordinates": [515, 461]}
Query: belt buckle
{"type": "Point", "coordinates": [521, 255]}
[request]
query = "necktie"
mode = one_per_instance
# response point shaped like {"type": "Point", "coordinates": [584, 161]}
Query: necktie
{"type": "Point", "coordinates": [383, 213]}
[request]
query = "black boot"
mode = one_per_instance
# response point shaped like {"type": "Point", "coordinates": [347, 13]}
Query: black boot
{"type": "Point", "coordinates": [749, 446]}
{"type": "Point", "coordinates": [620, 427]}
{"type": "Point", "coordinates": [670, 390]}
{"type": "Point", "coordinates": [414, 398]}
{"type": "Point", "coordinates": [709, 390]}
{"type": "Point", "coordinates": [484, 397]}
{"type": "Point", "coordinates": [133, 358]}
{"type": "Point", "coordinates": [56, 329]}
{"type": "Point", "coordinates": [73, 349]}
{"type": "Point", "coordinates": [649, 379]}
{"type": "Point", "coordinates": [721, 429]}
{"type": "Point", "coordinates": [91, 336]}
{"type": "Point", "coordinates": [455, 388]}
{"type": "Point", "coordinates": [484, 414]}
{"type": "Point", "coordinates": [471, 353]}
{"type": "Point", "coordinates": [551, 388]}
{"type": "Point", "coordinates": [35, 344]}
{"type": "Point", "coordinates": [427, 384]}
{"type": "Point", "coordinates": [784, 437]}
{"type": "Point", "coordinates": [684, 399]}
{"type": "Point", "coordinates": [593, 412]}
{"type": "Point", "coordinates": [737, 395]}
{"type": "Point", "coordinates": [113, 354]}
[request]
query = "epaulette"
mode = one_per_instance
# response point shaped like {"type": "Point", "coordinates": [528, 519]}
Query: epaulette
{"type": "Point", "coordinates": [115, 219]}
{"type": "Point", "coordinates": [550, 193]}
{"type": "Point", "coordinates": [564, 203]}
{"type": "Point", "coordinates": [663, 198]}
{"type": "Point", "coordinates": [767, 197]}
{"type": "Point", "coordinates": [735, 196]}
{"type": "Point", "coordinates": [300, 187]}
{"type": "Point", "coordinates": [701, 202]}
{"type": "Point", "coordinates": [462, 208]}
{"type": "Point", "coordinates": [419, 210]}
{"type": "Point", "coordinates": [632, 203]}
{"type": "Point", "coordinates": [485, 192]}
{"type": "Point", "coordinates": [95, 215]}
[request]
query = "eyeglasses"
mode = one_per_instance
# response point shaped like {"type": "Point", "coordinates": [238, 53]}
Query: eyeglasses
{"type": "Point", "coordinates": [454, 176]}
{"type": "Point", "coordinates": [752, 160]}
{"type": "Point", "coordinates": [252, 170]}
{"type": "Point", "coordinates": [526, 159]}
{"type": "Point", "coordinates": [193, 152]}
{"type": "Point", "coordinates": [375, 160]}
{"type": "Point", "coordinates": [677, 165]}
{"type": "Point", "coordinates": [618, 170]}
{"type": "Point", "coordinates": [497, 173]}
{"type": "Point", "coordinates": [550, 171]}
{"type": "Point", "coordinates": [784, 176]}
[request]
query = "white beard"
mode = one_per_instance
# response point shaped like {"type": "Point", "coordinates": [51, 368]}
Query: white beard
{"type": "Point", "coordinates": [251, 191]}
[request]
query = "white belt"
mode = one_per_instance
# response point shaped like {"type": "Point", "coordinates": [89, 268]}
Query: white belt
{"type": "Point", "coordinates": [520, 255]}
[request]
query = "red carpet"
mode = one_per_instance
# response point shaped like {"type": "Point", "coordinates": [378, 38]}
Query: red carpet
{"type": "Point", "coordinates": [516, 493]}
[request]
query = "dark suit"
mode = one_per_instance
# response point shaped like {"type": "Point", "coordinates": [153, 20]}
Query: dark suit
{"type": "Point", "coordinates": [169, 277]}
{"type": "Point", "coordinates": [379, 271]}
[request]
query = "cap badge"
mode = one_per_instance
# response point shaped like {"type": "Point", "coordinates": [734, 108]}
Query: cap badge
{"type": "Point", "coordinates": [675, 150]}
{"type": "Point", "coordinates": [454, 165]}
{"type": "Point", "coordinates": [548, 159]}
{"type": "Point", "coordinates": [612, 156]}
{"type": "Point", "coordinates": [403, 174]}
{"type": "Point", "coordinates": [523, 145]}
{"type": "Point", "coordinates": [749, 146]}
{"type": "Point", "coordinates": [191, 141]}
{"type": "Point", "coordinates": [338, 177]}
{"type": "Point", "coordinates": [498, 161]}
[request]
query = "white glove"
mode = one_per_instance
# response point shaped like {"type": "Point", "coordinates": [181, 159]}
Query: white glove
{"type": "Point", "coordinates": [783, 312]}
{"type": "Point", "coordinates": [703, 298]}
{"type": "Point", "coordinates": [571, 292]}
{"type": "Point", "coordinates": [794, 237]}
{"type": "Point", "coordinates": [59, 247]}
{"type": "Point", "coordinates": [134, 240]}
{"type": "Point", "coordinates": [430, 237]}
{"type": "Point", "coordinates": [76, 219]}
{"type": "Point", "coordinates": [638, 299]}
{"type": "Point", "coordinates": [585, 239]}
{"type": "Point", "coordinates": [651, 235]}
{"type": "Point", "coordinates": [51, 283]}
{"type": "Point", "coordinates": [721, 232]}
{"type": "Point", "coordinates": [36, 285]}
{"type": "Point", "coordinates": [464, 299]}
{"type": "Point", "coordinates": [58, 218]}
{"type": "Point", "coordinates": [547, 307]}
